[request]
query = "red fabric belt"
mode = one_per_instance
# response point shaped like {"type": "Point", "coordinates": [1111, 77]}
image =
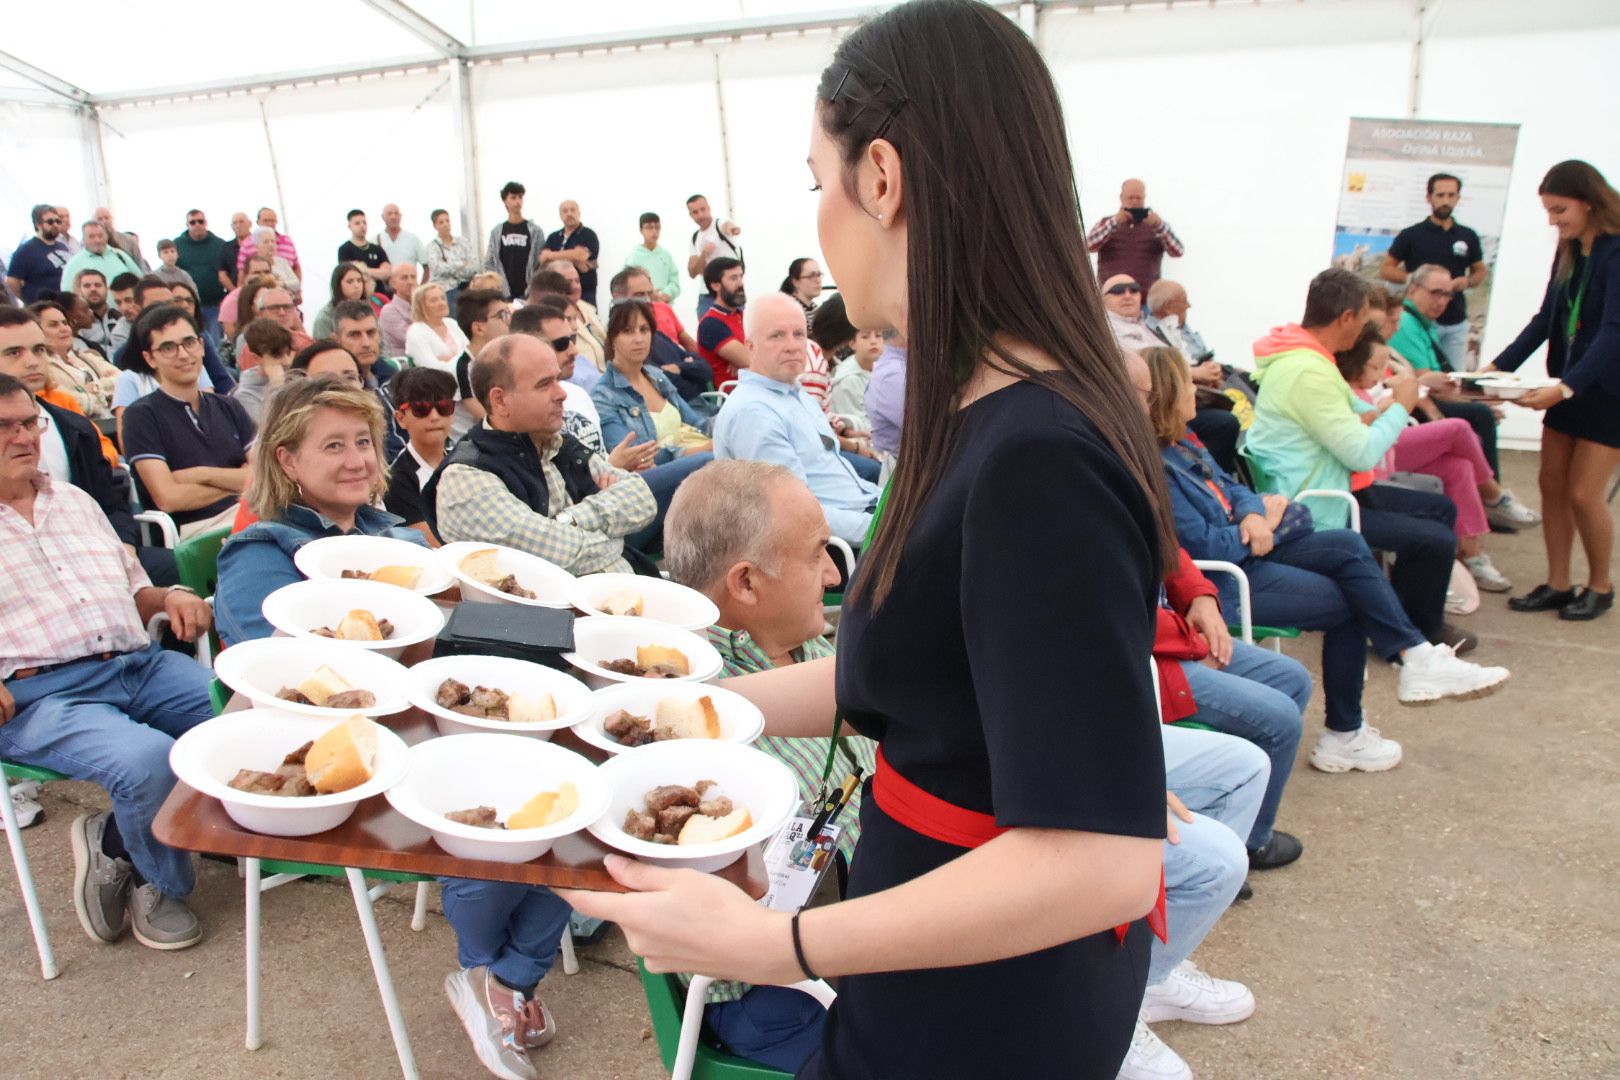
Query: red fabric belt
{"type": "Point", "coordinates": [948, 823]}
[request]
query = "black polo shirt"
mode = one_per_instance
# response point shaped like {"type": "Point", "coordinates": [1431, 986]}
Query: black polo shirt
{"type": "Point", "coordinates": [582, 237]}
{"type": "Point", "coordinates": [368, 255]}
{"type": "Point", "coordinates": [162, 428]}
{"type": "Point", "coordinates": [1457, 249]}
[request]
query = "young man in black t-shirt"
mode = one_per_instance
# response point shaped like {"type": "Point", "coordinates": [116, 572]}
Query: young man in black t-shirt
{"type": "Point", "coordinates": [371, 257]}
{"type": "Point", "coordinates": [515, 244]}
{"type": "Point", "coordinates": [1440, 240]}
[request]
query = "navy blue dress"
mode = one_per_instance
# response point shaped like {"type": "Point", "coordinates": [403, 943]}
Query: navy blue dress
{"type": "Point", "coordinates": [1007, 673]}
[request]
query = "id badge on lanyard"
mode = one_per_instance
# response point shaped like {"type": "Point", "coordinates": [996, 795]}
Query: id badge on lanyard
{"type": "Point", "coordinates": [799, 856]}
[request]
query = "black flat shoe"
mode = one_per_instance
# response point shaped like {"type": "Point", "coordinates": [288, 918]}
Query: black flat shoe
{"type": "Point", "coordinates": [1245, 892]}
{"type": "Point", "coordinates": [1542, 598]}
{"type": "Point", "coordinates": [1588, 604]}
{"type": "Point", "coordinates": [1282, 849]}
{"type": "Point", "coordinates": [1460, 640]}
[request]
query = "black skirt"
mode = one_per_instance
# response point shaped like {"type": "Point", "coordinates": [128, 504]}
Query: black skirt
{"type": "Point", "coordinates": [1593, 415]}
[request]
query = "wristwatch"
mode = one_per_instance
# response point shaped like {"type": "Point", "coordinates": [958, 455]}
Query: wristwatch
{"type": "Point", "coordinates": [565, 518]}
{"type": "Point", "coordinates": [182, 588]}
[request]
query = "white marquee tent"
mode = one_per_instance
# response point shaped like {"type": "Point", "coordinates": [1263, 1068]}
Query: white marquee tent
{"type": "Point", "coordinates": [1234, 112]}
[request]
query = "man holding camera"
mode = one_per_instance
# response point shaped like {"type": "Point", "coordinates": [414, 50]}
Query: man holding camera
{"type": "Point", "coordinates": [1133, 241]}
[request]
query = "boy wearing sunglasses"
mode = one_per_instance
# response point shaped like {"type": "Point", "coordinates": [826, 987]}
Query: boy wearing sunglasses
{"type": "Point", "coordinates": [424, 403]}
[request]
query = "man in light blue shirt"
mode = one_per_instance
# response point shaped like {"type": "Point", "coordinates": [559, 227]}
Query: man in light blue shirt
{"type": "Point", "coordinates": [768, 418]}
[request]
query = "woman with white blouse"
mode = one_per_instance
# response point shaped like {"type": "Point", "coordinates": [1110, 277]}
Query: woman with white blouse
{"type": "Point", "coordinates": [433, 340]}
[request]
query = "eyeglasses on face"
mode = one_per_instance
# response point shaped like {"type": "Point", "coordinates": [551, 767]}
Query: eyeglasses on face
{"type": "Point", "coordinates": [505, 315]}
{"type": "Point", "coordinates": [171, 349]}
{"type": "Point", "coordinates": [563, 344]}
{"type": "Point", "coordinates": [1125, 288]}
{"type": "Point", "coordinates": [811, 277]}
{"type": "Point", "coordinates": [197, 221]}
{"type": "Point", "coordinates": [421, 409]}
{"type": "Point", "coordinates": [279, 309]}
{"type": "Point", "coordinates": [51, 221]}
{"type": "Point", "coordinates": [32, 425]}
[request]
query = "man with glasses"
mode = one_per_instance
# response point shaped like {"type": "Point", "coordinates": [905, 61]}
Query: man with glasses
{"type": "Point", "coordinates": [483, 315]}
{"type": "Point", "coordinates": [188, 448]}
{"type": "Point", "coordinates": [276, 304]}
{"type": "Point", "coordinates": [37, 264]}
{"type": "Point", "coordinates": [199, 254]}
{"type": "Point", "coordinates": [86, 693]}
{"type": "Point", "coordinates": [1122, 297]}
{"type": "Point", "coordinates": [1134, 240]}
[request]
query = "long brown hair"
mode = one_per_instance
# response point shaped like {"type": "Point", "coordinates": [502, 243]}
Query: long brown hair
{"type": "Point", "coordinates": [1575, 179]}
{"type": "Point", "coordinates": [995, 241]}
{"type": "Point", "coordinates": [1170, 381]}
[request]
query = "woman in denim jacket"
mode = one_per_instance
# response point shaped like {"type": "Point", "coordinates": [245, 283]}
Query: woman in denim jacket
{"type": "Point", "coordinates": [634, 396]}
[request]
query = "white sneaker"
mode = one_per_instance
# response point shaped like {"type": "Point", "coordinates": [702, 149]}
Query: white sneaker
{"type": "Point", "coordinates": [1364, 749]}
{"type": "Point", "coordinates": [1432, 672]}
{"type": "Point", "coordinates": [1192, 995]}
{"type": "Point", "coordinates": [1149, 1059]}
{"type": "Point", "coordinates": [1486, 575]}
{"type": "Point", "coordinates": [1511, 513]}
{"type": "Point", "coordinates": [28, 811]}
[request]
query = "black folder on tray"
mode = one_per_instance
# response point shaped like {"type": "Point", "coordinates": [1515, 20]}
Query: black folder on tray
{"type": "Point", "coordinates": [518, 631]}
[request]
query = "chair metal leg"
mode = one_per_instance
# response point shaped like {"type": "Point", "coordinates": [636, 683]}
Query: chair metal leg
{"type": "Point", "coordinates": [379, 967]}
{"type": "Point", "coordinates": [570, 961]}
{"type": "Point", "coordinates": [419, 915]}
{"type": "Point", "coordinates": [691, 1026]}
{"type": "Point", "coordinates": [25, 882]}
{"type": "Point", "coordinates": [250, 931]}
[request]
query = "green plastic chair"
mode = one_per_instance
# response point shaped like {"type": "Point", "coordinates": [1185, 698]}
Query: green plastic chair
{"type": "Point", "coordinates": [197, 560]}
{"type": "Point", "coordinates": [666, 1001]}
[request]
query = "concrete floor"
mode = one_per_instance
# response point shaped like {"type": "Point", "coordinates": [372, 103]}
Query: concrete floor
{"type": "Point", "coordinates": [1453, 918]}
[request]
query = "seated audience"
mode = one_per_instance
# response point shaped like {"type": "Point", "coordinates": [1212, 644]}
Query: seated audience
{"type": "Point", "coordinates": [482, 315]}
{"type": "Point", "coordinates": [169, 268]}
{"type": "Point", "coordinates": [518, 480]}
{"type": "Point", "coordinates": [354, 326]}
{"type": "Point", "coordinates": [1167, 308]}
{"type": "Point", "coordinates": [318, 471]}
{"type": "Point", "coordinates": [433, 340]}
{"type": "Point", "coordinates": [233, 317]}
{"type": "Point", "coordinates": [769, 418]}
{"type": "Point", "coordinates": [886, 399]}
{"type": "Point", "coordinates": [266, 246]}
{"type": "Point", "coordinates": [395, 317]}
{"type": "Point", "coordinates": [487, 279]}
{"type": "Point", "coordinates": [1447, 449]}
{"type": "Point", "coordinates": [79, 372]}
{"type": "Point", "coordinates": [273, 345]}
{"type": "Point", "coordinates": [1308, 433]}
{"type": "Point", "coordinates": [672, 347]}
{"type": "Point", "coordinates": [187, 449]}
{"type": "Point", "coordinates": [86, 693]}
{"type": "Point", "coordinates": [846, 397]}
{"type": "Point", "coordinates": [327, 359]}
{"type": "Point", "coordinates": [349, 282]}
{"type": "Point", "coordinates": [103, 332]}
{"type": "Point", "coordinates": [721, 337]}
{"type": "Point", "coordinates": [803, 283]}
{"type": "Point", "coordinates": [752, 538]}
{"type": "Point", "coordinates": [424, 401]}
{"type": "Point", "coordinates": [273, 302]}
{"type": "Point", "coordinates": [1306, 576]}
{"type": "Point", "coordinates": [149, 293]}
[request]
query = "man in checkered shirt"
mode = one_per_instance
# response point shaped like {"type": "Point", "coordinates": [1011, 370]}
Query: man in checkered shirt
{"type": "Point", "coordinates": [518, 480]}
{"type": "Point", "coordinates": [85, 691]}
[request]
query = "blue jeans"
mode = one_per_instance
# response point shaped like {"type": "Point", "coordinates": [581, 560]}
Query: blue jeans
{"type": "Point", "coordinates": [1260, 696]}
{"type": "Point", "coordinates": [513, 930]}
{"type": "Point", "coordinates": [1221, 779]}
{"type": "Point", "coordinates": [211, 327]}
{"type": "Point", "coordinates": [1329, 581]}
{"type": "Point", "coordinates": [112, 722]}
{"type": "Point", "coordinates": [866, 468]}
{"type": "Point", "coordinates": [1420, 529]}
{"type": "Point", "coordinates": [772, 1025]}
{"type": "Point", "coordinates": [664, 479]}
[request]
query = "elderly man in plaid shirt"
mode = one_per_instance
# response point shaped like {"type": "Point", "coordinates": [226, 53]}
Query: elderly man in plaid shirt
{"type": "Point", "coordinates": [518, 480]}
{"type": "Point", "coordinates": [86, 692]}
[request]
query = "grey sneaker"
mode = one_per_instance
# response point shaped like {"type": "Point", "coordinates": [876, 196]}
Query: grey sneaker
{"type": "Point", "coordinates": [497, 1021]}
{"type": "Point", "coordinates": [162, 922]}
{"type": "Point", "coordinates": [100, 882]}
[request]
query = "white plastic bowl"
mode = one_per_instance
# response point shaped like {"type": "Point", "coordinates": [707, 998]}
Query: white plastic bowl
{"type": "Point", "coordinates": [297, 609]}
{"type": "Point", "coordinates": [663, 601]}
{"type": "Point", "coordinates": [459, 772]}
{"type": "Point", "coordinates": [259, 669]}
{"type": "Point", "coordinates": [751, 778]}
{"type": "Point", "coordinates": [599, 638]}
{"type": "Point", "coordinates": [328, 557]}
{"type": "Point", "coordinates": [573, 697]}
{"type": "Point", "coordinates": [210, 754]}
{"type": "Point", "coordinates": [740, 719]}
{"type": "Point", "coordinates": [552, 585]}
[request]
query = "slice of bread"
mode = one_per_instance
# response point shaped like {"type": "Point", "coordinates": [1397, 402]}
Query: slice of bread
{"type": "Point", "coordinates": [546, 808]}
{"type": "Point", "coordinates": [405, 577]}
{"type": "Point", "coordinates": [345, 757]}
{"type": "Point", "coordinates": [623, 602]}
{"type": "Point", "coordinates": [322, 685]}
{"type": "Point", "coordinates": [648, 655]}
{"type": "Point", "coordinates": [684, 718]}
{"type": "Point", "coordinates": [523, 709]}
{"type": "Point", "coordinates": [359, 625]}
{"type": "Point", "coordinates": [701, 829]}
{"type": "Point", "coordinates": [483, 565]}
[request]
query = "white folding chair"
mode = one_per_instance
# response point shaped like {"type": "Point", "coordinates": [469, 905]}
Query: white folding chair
{"type": "Point", "coordinates": [692, 1014]}
{"type": "Point", "coordinates": [1245, 620]}
{"type": "Point", "coordinates": [167, 531]}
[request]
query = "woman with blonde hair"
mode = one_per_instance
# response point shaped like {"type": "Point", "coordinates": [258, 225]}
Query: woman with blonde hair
{"type": "Point", "coordinates": [1580, 441]}
{"type": "Point", "coordinates": [433, 340]}
{"type": "Point", "coordinates": [318, 470]}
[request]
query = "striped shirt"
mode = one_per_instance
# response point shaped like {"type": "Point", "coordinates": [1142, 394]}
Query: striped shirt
{"type": "Point", "coordinates": [67, 584]}
{"type": "Point", "coordinates": [806, 757]}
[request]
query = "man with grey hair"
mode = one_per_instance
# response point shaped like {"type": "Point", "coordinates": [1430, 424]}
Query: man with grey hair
{"type": "Point", "coordinates": [519, 480]}
{"type": "Point", "coordinates": [769, 418]}
{"type": "Point", "coordinates": [264, 246]}
{"type": "Point", "coordinates": [752, 538]}
{"type": "Point", "coordinates": [1428, 294]}
{"type": "Point", "coordinates": [400, 244]}
{"type": "Point", "coordinates": [98, 253]}
{"type": "Point", "coordinates": [284, 246]}
{"type": "Point", "coordinates": [127, 242]}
